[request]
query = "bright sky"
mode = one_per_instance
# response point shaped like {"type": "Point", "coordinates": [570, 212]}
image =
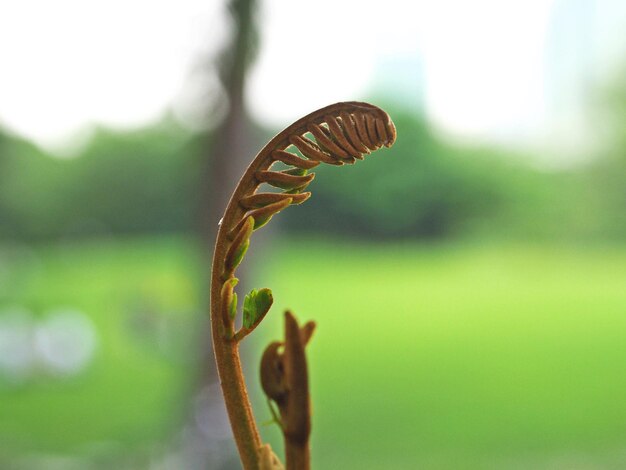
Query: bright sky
{"type": "Point", "coordinates": [481, 60]}
{"type": "Point", "coordinates": [478, 67]}
{"type": "Point", "coordinates": [68, 63]}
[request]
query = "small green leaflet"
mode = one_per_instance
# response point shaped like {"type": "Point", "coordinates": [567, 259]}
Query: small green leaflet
{"type": "Point", "coordinates": [255, 305]}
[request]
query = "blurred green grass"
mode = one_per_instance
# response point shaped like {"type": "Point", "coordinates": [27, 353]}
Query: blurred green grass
{"type": "Point", "coordinates": [429, 356]}
{"type": "Point", "coordinates": [130, 396]}
{"type": "Point", "coordinates": [460, 356]}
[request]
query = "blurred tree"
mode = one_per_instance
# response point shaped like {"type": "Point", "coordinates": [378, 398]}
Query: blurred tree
{"type": "Point", "coordinates": [134, 181]}
{"type": "Point", "coordinates": [232, 143]}
{"type": "Point", "coordinates": [609, 172]}
{"type": "Point", "coordinates": [150, 180]}
{"type": "Point", "coordinates": [229, 150]}
{"type": "Point", "coordinates": [27, 175]}
{"type": "Point", "coordinates": [423, 186]}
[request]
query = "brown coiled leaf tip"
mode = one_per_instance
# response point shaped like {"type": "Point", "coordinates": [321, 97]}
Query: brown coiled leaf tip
{"type": "Point", "coordinates": [339, 134]}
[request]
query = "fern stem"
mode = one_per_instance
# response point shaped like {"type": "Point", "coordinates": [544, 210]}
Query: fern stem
{"type": "Point", "coordinates": [228, 362]}
{"type": "Point", "coordinates": [362, 125]}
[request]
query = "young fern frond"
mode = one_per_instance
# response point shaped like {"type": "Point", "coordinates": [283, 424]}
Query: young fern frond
{"type": "Point", "coordinates": [338, 134]}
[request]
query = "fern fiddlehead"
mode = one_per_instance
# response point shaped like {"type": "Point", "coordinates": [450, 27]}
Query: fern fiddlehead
{"type": "Point", "coordinates": [338, 134]}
